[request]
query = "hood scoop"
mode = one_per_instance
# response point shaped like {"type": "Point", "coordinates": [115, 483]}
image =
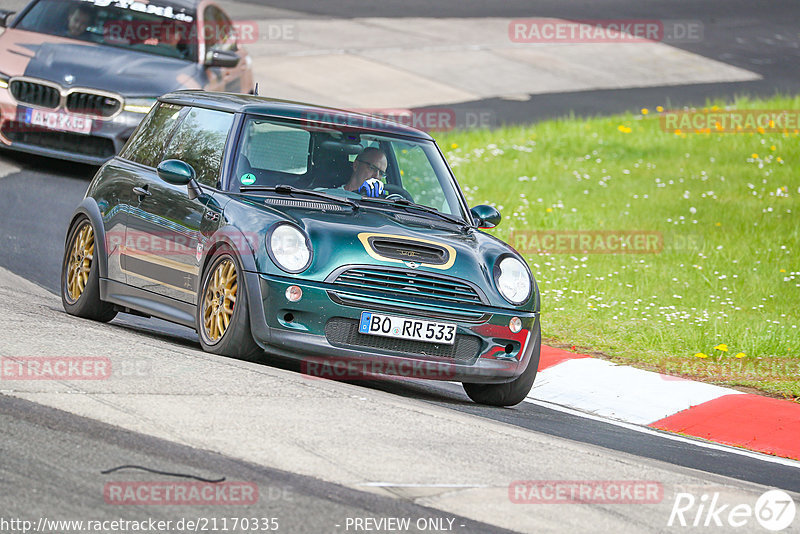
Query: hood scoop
{"type": "Point", "coordinates": [408, 250]}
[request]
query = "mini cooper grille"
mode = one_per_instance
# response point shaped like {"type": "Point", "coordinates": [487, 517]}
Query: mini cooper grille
{"type": "Point", "coordinates": [409, 250]}
{"type": "Point", "coordinates": [344, 333]}
{"type": "Point", "coordinates": [92, 104]}
{"type": "Point", "coordinates": [35, 94]}
{"type": "Point", "coordinates": [409, 284]}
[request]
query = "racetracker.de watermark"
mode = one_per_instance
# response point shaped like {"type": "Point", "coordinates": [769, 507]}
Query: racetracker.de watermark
{"type": "Point", "coordinates": [344, 369]}
{"type": "Point", "coordinates": [434, 119]}
{"type": "Point", "coordinates": [549, 30]}
{"type": "Point", "coordinates": [181, 493]}
{"type": "Point", "coordinates": [55, 368]}
{"type": "Point", "coordinates": [173, 33]}
{"type": "Point", "coordinates": [585, 492]}
{"type": "Point", "coordinates": [731, 121]}
{"type": "Point", "coordinates": [602, 242]}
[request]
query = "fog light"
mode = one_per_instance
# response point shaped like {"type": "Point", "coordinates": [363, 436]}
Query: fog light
{"type": "Point", "coordinates": [515, 324]}
{"type": "Point", "coordinates": [293, 293]}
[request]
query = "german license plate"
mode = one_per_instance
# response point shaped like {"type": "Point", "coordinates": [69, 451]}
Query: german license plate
{"type": "Point", "coordinates": [377, 324]}
{"type": "Point", "coordinates": [55, 120]}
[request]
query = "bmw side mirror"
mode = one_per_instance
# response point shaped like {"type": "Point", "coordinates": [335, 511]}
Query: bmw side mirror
{"type": "Point", "coordinates": [5, 17]}
{"type": "Point", "coordinates": [177, 172]}
{"type": "Point", "coordinates": [485, 216]}
{"type": "Point", "coordinates": [222, 58]}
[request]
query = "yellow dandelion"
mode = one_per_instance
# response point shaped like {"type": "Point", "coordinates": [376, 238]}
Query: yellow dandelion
{"type": "Point", "coordinates": [772, 124]}
{"type": "Point", "coordinates": [701, 355]}
{"type": "Point", "coordinates": [718, 126]}
{"type": "Point", "coordinates": [754, 155]}
{"type": "Point", "coordinates": [779, 159]}
{"type": "Point", "coordinates": [549, 210]}
{"type": "Point", "coordinates": [722, 346]}
{"type": "Point", "coordinates": [740, 355]}
{"type": "Point", "coordinates": [782, 271]}
{"type": "Point", "coordinates": [714, 108]}
{"type": "Point", "coordinates": [659, 109]}
{"type": "Point", "coordinates": [772, 147]}
{"type": "Point", "coordinates": [678, 132]}
{"type": "Point", "coordinates": [760, 130]}
{"type": "Point", "coordinates": [645, 111]}
{"type": "Point", "coordinates": [718, 224]}
{"type": "Point", "coordinates": [402, 173]}
{"type": "Point", "coordinates": [624, 129]}
{"type": "Point", "coordinates": [454, 145]}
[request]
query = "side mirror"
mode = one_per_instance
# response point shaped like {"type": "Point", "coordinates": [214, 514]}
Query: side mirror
{"type": "Point", "coordinates": [485, 216]}
{"type": "Point", "coordinates": [5, 17]}
{"type": "Point", "coordinates": [222, 58]}
{"type": "Point", "coordinates": [177, 172]}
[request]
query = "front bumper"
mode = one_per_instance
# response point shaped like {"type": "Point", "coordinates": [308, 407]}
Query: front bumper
{"type": "Point", "coordinates": [321, 330]}
{"type": "Point", "coordinates": [105, 140]}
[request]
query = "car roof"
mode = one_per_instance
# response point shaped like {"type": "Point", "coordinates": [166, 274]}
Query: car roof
{"type": "Point", "coordinates": [286, 109]}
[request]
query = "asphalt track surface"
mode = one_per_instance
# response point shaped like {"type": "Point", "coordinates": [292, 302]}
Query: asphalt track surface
{"type": "Point", "coordinates": [761, 37]}
{"type": "Point", "coordinates": [36, 203]}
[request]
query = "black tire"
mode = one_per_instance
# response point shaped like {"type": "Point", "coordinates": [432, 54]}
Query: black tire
{"type": "Point", "coordinates": [83, 301]}
{"type": "Point", "coordinates": [509, 393]}
{"type": "Point", "coordinates": [236, 339]}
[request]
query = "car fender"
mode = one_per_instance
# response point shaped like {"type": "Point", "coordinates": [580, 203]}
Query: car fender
{"type": "Point", "coordinates": [243, 248]}
{"type": "Point", "coordinates": [89, 208]}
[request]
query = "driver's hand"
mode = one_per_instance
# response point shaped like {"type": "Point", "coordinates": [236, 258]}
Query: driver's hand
{"type": "Point", "coordinates": [371, 188]}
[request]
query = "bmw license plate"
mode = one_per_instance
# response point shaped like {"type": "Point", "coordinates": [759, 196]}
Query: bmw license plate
{"type": "Point", "coordinates": [377, 324]}
{"type": "Point", "coordinates": [54, 120]}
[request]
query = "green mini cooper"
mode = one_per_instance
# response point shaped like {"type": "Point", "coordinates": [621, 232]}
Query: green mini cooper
{"type": "Point", "coordinates": [338, 239]}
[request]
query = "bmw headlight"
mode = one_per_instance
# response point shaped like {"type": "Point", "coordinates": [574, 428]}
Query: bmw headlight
{"type": "Point", "coordinates": [139, 105]}
{"type": "Point", "coordinates": [289, 248]}
{"type": "Point", "coordinates": [513, 280]}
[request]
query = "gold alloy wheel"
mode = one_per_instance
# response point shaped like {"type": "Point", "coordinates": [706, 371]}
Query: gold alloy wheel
{"type": "Point", "coordinates": [80, 261]}
{"type": "Point", "coordinates": [218, 300]}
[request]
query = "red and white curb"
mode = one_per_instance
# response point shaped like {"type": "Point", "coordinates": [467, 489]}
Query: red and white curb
{"type": "Point", "coordinates": [663, 402]}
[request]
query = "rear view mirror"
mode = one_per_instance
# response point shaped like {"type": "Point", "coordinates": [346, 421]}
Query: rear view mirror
{"type": "Point", "coordinates": [177, 172]}
{"type": "Point", "coordinates": [222, 58]}
{"type": "Point", "coordinates": [5, 17]}
{"type": "Point", "coordinates": [485, 216]}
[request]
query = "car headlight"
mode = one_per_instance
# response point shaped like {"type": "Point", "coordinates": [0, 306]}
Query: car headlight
{"type": "Point", "coordinates": [4, 81]}
{"type": "Point", "coordinates": [513, 280]}
{"type": "Point", "coordinates": [289, 248]}
{"type": "Point", "coordinates": [139, 105]}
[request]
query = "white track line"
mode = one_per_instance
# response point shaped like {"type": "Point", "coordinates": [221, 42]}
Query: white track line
{"type": "Point", "coordinates": [674, 437]}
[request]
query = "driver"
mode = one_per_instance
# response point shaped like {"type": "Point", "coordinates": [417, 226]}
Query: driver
{"type": "Point", "coordinates": [368, 169]}
{"type": "Point", "coordinates": [79, 19]}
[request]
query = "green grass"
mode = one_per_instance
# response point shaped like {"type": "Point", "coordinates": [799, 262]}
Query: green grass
{"type": "Point", "coordinates": [726, 204]}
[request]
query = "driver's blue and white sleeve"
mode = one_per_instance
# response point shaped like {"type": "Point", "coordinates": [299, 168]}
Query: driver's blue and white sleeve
{"type": "Point", "coordinates": [371, 188]}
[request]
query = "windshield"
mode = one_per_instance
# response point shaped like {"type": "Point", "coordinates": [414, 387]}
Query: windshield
{"type": "Point", "coordinates": [340, 161]}
{"type": "Point", "coordinates": [146, 27]}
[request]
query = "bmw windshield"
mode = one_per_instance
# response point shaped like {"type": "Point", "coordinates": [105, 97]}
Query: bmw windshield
{"type": "Point", "coordinates": [377, 170]}
{"type": "Point", "coordinates": [149, 27]}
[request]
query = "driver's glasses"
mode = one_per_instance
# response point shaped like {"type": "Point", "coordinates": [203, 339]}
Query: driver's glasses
{"type": "Point", "coordinates": [380, 172]}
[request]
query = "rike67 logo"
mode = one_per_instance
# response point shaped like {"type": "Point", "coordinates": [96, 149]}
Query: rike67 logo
{"type": "Point", "coordinates": [774, 510]}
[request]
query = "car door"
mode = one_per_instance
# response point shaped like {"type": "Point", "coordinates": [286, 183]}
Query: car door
{"type": "Point", "coordinates": [166, 228]}
{"type": "Point", "coordinates": [133, 168]}
{"type": "Point", "coordinates": [219, 34]}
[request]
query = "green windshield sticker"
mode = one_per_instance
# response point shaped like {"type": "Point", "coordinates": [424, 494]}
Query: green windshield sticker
{"type": "Point", "coordinates": [248, 179]}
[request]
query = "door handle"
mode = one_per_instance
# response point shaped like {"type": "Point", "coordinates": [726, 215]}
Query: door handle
{"type": "Point", "coordinates": [141, 192]}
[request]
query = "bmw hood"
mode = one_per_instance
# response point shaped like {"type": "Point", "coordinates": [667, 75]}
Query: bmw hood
{"type": "Point", "coordinates": [81, 64]}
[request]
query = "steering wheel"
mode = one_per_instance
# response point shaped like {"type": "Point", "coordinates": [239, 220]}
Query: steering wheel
{"type": "Point", "coordinates": [393, 191]}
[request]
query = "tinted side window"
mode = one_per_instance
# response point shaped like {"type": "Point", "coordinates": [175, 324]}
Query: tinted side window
{"type": "Point", "coordinates": [147, 144]}
{"type": "Point", "coordinates": [200, 142]}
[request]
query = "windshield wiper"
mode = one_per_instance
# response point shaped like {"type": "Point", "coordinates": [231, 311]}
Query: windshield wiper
{"type": "Point", "coordinates": [289, 190]}
{"type": "Point", "coordinates": [408, 205]}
